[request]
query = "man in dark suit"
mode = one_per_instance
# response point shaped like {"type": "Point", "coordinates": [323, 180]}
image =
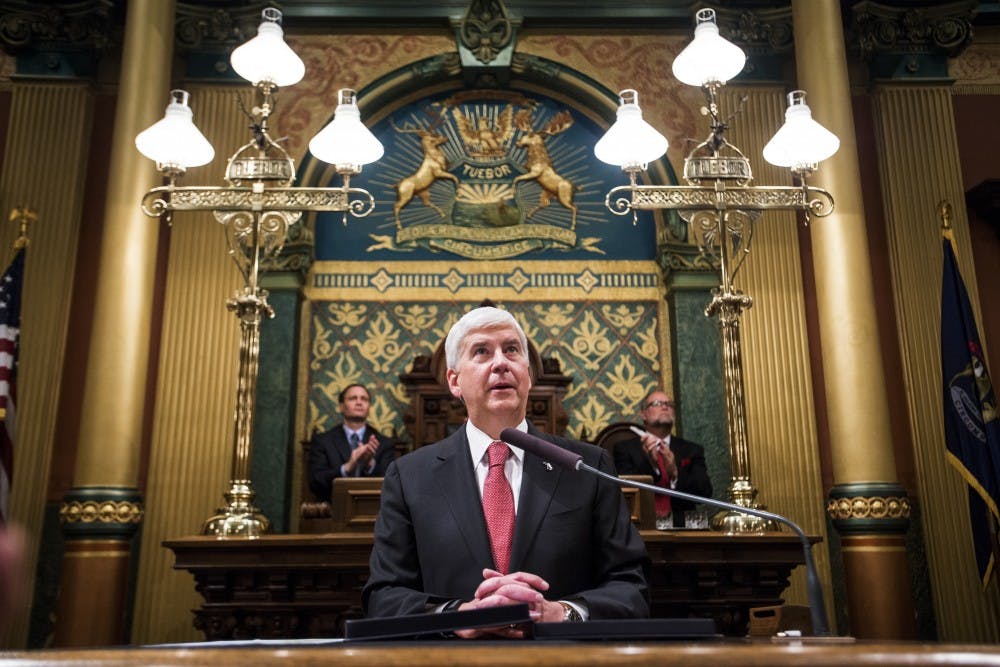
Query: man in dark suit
{"type": "Point", "coordinates": [352, 448]}
{"type": "Point", "coordinates": [471, 522]}
{"type": "Point", "coordinates": [672, 461]}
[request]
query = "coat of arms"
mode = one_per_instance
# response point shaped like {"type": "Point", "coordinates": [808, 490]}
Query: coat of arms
{"type": "Point", "coordinates": [487, 175]}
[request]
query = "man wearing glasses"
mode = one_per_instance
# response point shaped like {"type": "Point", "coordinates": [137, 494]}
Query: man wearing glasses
{"type": "Point", "coordinates": [673, 462]}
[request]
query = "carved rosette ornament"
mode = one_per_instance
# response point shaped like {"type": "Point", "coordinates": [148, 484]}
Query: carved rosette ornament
{"type": "Point", "coordinates": [877, 507]}
{"type": "Point", "coordinates": [106, 512]}
{"type": "Point", "coordinates": [868, 508]}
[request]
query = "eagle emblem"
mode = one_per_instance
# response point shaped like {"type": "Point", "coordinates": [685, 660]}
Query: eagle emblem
{"type": "Point", "coordinates": [484, 137]}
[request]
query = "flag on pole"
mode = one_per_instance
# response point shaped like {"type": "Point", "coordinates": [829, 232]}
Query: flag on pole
{"type": "Point", "coordinates": [971, 429]}
{"type": "Point", "coordinates": [10, 326]}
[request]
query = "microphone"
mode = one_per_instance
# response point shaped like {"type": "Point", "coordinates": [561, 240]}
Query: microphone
{"type": "Point", "coordinates": [566, 459]}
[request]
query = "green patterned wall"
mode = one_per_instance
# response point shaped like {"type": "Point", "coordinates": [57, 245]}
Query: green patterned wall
{"type": "Point", "coordinates": [612, 351]}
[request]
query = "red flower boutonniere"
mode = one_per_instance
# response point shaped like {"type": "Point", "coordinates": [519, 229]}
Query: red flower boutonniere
{"type": "Point", "coordinates": [685, 463]}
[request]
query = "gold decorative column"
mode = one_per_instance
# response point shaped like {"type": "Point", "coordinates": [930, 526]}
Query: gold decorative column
{"type": "Point", "coordinates": [919, 119]}
{"type": "Point", "coordinates": [867, 504]}
{"type": "Point", "coordinates": [102, 511]}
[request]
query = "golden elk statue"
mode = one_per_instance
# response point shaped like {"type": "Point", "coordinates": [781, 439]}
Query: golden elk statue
{"type": "Point", "coordinates": [433, 166]}
{"type": "Point", "coordinates": [539, 163]}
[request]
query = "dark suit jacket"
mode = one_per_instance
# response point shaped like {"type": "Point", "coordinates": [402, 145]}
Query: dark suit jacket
{"type": "Point", "coordinates": [571, 529]}
{"type": "Point", "coordinates": [692, 473]}
{"type": "Point", "coordinates": [330, 450]}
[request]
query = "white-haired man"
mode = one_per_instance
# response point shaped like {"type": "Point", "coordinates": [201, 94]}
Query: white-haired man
{"type": "Point", "coordinates": [471, 522]}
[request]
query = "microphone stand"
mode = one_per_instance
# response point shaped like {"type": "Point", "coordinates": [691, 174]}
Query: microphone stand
{"type": "Point", "coordinates": [817, 610]}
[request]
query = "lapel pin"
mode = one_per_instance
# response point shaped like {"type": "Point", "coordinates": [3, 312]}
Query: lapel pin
{"type": "Point", "coordinates": [548, 466]}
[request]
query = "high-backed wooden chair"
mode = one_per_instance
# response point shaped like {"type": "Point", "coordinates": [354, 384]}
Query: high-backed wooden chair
{"type": "Point", "coordinates": [613, 433]}
{"type": "Point", "coordinates": [640, 501]}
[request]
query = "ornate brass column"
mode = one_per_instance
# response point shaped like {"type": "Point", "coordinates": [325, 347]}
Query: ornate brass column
{"type": "Point", "coordinates": [867, 504]}
{"type": "Point", "coordinates": [102, 511]}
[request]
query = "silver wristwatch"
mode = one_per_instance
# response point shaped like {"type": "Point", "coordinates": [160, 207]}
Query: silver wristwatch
{"type": "Point", "coordinates": [570, 614]}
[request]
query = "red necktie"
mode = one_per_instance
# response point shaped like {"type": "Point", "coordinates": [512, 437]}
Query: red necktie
{"type": "Point", "coordinates": [662, 502]}
{"type": "Point", "coordinates": [498, 505]}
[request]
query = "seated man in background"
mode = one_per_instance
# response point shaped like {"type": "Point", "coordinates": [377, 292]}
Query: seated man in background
{"type": "Point", "coordinates": [352, 448]}
{"type": "Point", "coordinates": [673, 462]}
{"type": "Point", "coordinates": [471, 522]}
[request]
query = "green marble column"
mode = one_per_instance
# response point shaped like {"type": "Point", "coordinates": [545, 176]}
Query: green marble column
{"type": "Point", "coordinates": [274, 445]}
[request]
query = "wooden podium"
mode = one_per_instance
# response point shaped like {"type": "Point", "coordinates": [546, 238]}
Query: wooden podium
{"type": "Point", "coordinates": [296, 586]}
{"type": "Point", "coordinates": [289, 586]}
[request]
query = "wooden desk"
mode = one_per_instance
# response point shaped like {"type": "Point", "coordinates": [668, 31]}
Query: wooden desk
{"type": "Point", "coordinates": [308, 585]}
{"type": "Point", "coordinates": [526, 653]}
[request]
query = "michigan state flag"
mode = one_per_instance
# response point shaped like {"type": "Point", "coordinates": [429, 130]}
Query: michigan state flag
{"type": "Point", "coordinates": [971, 430]}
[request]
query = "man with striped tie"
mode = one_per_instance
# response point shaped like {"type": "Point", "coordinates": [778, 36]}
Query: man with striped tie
{"type": "Point", "coordinates": [352, 448]}
{"type": "Point", "coordinates": [473, 522]}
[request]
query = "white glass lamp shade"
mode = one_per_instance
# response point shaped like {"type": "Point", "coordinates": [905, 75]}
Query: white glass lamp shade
{"type": "Point", "coordinates": [801, 143]}
{"type": "Point", "coordinates": [267, 58]}
{"type": "Point", "coordinates": [709, 58]}
{"type": "Point", "coordinates": [630, 142]}
{"type": "Point", "coordinates": [174, 141]}
{"type": "Point", "coordinates": [345, 142]}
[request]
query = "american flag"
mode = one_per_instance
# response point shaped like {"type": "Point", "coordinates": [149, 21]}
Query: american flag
{"type": "Point", "coordinates": [10, 326]}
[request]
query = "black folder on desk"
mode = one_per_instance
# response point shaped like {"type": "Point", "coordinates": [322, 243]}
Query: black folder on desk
{"type": "Point", "coordinates": [423, 625]}
{"type": "Point", "coordinates": [651, 629]}
{"type": "Point", "coordinates": [428, 625]}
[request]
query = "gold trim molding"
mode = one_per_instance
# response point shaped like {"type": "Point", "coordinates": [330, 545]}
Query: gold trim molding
{"type": "Point", "coordinates": [634, 280]}
{"type": "Point", "coordinates": [868, 507]}
{"type": "Point", "coordinates": [107, 511]}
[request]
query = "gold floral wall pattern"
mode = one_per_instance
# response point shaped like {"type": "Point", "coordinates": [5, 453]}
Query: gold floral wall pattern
{"type": "Point", "coordinates": [611, 350]}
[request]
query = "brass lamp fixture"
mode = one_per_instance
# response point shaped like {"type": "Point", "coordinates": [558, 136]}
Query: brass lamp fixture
{"type": "Point", "coordinates": [721, 206]}
{"type": "Point", "coordinates": [255, 209]}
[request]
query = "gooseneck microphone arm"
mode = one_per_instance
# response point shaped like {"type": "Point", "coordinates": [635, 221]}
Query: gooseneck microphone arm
{"type": "Point", "coordinates": [572, 461]}
{"type": "Point", "coordinates": [815, 592]}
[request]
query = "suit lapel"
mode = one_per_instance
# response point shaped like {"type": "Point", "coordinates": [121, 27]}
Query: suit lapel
{"type": "Point", "coordinates": [539, 480]}
{"type": "Point", "coordinates": [680, 447]}
{"type": "Point", "coordinates": [458, 487]}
